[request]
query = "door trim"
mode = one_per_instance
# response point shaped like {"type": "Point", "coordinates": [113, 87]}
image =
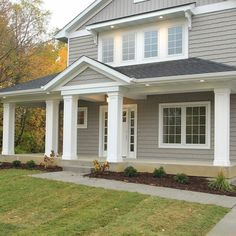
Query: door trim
{"type": "Point", "coordinates": [103, 108]}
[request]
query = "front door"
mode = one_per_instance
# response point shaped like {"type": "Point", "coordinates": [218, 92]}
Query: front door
{"type": "Point", "coordinates": [129, 131]}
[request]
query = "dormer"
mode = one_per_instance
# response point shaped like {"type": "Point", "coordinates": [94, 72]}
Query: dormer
{"type": "Point", "coordinates": [150, 37]}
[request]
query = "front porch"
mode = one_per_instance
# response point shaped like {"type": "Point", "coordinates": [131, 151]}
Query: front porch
{"type": "Point", "coordinates": [184, 124]}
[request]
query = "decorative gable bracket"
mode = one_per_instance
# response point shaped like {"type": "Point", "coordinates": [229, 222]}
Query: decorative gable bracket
{"type": "Point", "coordinates": [188, 16]}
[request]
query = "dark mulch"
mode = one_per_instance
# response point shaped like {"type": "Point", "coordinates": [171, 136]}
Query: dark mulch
{"type": "Point", "coordinates": [7, 165]}
{"type": "Point", "coordinates": [197, 184]}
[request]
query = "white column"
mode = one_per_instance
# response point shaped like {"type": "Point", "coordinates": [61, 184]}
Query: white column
{"type": "Point", "coordinates": [8, 146]}
{"type": "Point", "coordinates": [115, 109]}
{"type": "Point", "coordinates": [70, 128]}
{"type": "Point", "coordinates": [222, 127]}
{"type": "Point", "coordinates": [52, 126]}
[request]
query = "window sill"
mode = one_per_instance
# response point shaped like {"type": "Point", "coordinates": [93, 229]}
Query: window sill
{"type": "Point", "coordinates": [181, 146]}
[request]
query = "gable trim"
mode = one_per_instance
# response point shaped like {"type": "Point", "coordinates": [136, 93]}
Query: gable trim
{"type": "Point", "coordinates": [85, 62]}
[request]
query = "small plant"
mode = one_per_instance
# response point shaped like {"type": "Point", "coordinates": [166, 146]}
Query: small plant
{"type": "Point", "coordinates": [100, 168]}
{"type": "Point", "coordinates": [159, 173]}
{"type": "Point", "coordinates": [181, 178]}
{"type": "Point", "coordinates": [16, 163]}
{"type": "Point", "coordinates": [130, 172]}
{"type": "Point", "coordinates": [221, 184]}
{"type": "Point", "coordinates": [30, 164]}
{"type": "Point", "coordinates": [49, 161]}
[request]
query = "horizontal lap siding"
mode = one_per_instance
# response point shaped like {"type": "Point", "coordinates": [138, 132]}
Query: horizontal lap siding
{"type": "Point", "coordinates": [148, 128]}
{"type": "Point", "coordinates": [88, 139]}
{"type": "Point", "coordinates": [82, 46]}
{"type": "Point", "coordinates": [233, 127]}
{"type": "Point", "coordinates": [122, 8]}
{"type": "Point", "coordinates": [89, 76]}
{"type": "Point", "coordinates": [213, 37]}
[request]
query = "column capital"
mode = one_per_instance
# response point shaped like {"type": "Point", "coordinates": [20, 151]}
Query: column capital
{"type": "Point", "coordinates": [222, 91]}
{"type": "Point", "coordinates": [71, 97]}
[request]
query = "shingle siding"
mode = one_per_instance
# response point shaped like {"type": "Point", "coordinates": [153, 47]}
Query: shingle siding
{"type": "Point", "coordinates": [213, 37]}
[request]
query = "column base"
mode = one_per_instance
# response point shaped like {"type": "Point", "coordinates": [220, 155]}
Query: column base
{"type": "Point", "coordinates": [221, 163]}
{"type": "Point", "coordinates": [8, 153]}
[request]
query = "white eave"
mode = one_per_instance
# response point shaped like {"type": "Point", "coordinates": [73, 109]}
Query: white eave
{"type": "Point", "coordinates": [63, 33]}
{"type": "Point", "coordinates": [181, 11]}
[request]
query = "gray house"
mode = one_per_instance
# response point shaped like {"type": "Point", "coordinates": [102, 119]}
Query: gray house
{"type": "Point", "coordinates": [148, 83]}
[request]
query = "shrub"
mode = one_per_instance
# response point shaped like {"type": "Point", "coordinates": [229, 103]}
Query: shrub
{"type": "Point", "coordinates": [221, 184]}
{"type": "Point", "coordinates": [130, 172]}
{"type": "Point", "coordinates": [49, 161]}
{"type": "Point", "coordinates": [16, 163]}
{"type": "Point", "coordinates": [159, 173]}
{"type": "Point", "coordinates": [30, 164]}
{"type": "Point", "coordinates": [100, 168]}
{"type": "Point", "coordinates": [181, 178]}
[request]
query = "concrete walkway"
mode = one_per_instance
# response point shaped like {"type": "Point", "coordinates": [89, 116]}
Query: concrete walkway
{"type": "Point", "coordinates": [226, 227]}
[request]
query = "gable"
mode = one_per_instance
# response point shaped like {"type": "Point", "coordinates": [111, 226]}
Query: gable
{"type": "Point", "coordinates": [124, 8]}
{"type": "Point", "coordinates": [89, 76]}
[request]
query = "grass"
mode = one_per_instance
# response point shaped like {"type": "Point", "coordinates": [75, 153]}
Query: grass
{"type": "Point", "coordinates": [30, 206]}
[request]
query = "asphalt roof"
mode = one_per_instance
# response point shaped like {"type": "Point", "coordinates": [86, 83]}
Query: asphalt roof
{"type": "Point", "coordinates": [32, 84]}
{"type": "Point", "coordinates": [188, 66]}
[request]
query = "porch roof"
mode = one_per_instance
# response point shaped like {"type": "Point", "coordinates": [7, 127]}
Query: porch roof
{"type": "Point", "coordinates": [184, 67]}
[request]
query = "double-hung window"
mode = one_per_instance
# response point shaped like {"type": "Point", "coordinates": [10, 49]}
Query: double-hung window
{"type": "Point", "coordinates": [128, 47]}
{"type": "Point", "coordinates": [150, 44]}
{"type": "Point", "coordinates": [108, 50]}
{"type": "Point", "coordinates": [184, 125]}
{"type": "Point", "coordinates": [175, 40]}
{"type": "Point", "coordinates": [82, 119]}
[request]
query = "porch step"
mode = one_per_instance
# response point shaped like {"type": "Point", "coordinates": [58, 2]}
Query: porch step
{"type": "Point", "coordinates": [81, 163]}
{"type": "Point", "coordinates": [77, 169]}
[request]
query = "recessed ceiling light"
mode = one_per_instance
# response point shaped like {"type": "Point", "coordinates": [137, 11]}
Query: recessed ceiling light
{"type": "Point", "coordinates": [112, 26]}
{"type": "Point", "coordinates": [161, 17]}
{"type": "Point", "coordinates": [202, 81]}
{"type": "Point", "coordinates": [147, 85]}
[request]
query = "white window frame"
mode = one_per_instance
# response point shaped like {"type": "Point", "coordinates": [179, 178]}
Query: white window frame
{"type": "Point", "coordinates": [102, 52]}
{"type": "Point", "coordinates": [183, 40]}
{"type": "Point", "coordinates": [135, 46]}
{"type": "Point", "coordinates": [158, 45]}
{"type": "Point", "coordinates": [183, 144]}
{"type": "Point", "coordinates": [85, 125]}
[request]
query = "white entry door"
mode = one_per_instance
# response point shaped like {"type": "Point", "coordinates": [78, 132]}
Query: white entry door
{"type": "Point", "coordinates": [129, 131]}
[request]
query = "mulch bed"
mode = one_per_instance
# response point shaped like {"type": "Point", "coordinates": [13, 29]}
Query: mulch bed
{"type": "Point", "coordinates": [197, 184]}
{"type": "Point", "coordinates": [7, 165]}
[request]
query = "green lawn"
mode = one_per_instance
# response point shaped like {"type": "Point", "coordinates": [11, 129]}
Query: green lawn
{"type": "Point", "coordinates": [30, 206]}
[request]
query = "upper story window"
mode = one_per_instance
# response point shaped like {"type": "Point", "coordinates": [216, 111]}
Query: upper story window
{"type": "Point", "coordinates": [128, 47]}
{"type": "Point", "coordinates": [108, 50]}
{"type": "Point", "coordinates": [175, 40]}
{"type": "Point", "coordinates": [150, 44]}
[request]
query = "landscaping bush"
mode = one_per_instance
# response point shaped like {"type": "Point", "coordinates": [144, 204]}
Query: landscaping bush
{"type": "Point", "coordinates": [221, 184]}
{"type": "Point", "coordinates": [30, 164]}
{"type": "Point", "coordinates": [130, 172]}
{"type": "Point", "coordinates": [181, 178]}
{"type": "Point", "coordinates": [159, 173]}
{"type": "Point", "coordinates": [100, 168]}
{"type": "Point", "coordinates": [16, 163]}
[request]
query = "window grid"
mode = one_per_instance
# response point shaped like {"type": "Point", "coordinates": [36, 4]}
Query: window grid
{"type": "Point", "coordinates": [172, 125]}
{"type": "Point", "coordinates": [150, 44]}
{"type": "Point", "coordinates": [195, 125]}
{"type": "Point", "coordinates": [105, 136]}
{"type": "Point", "coordinates": [82, 117]}
{"type": "Point", "coordinates": [132, 131]}
{"type": "Point", "coordinates": [108, 50]}
{"type": "Point", "coordinates": [128, 47]}
{"type": "Point", "coordinates": [175, 40]}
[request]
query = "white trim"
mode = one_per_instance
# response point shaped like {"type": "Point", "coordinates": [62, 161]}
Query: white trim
{"type": "Point", "coordinates": [138, 1]}
{"type": "Point", "coordinates": [226, 5]}
{"type": "Point", "coordinates": [101, 68]}
{"type": "Point", "coordinates": [183, 144]}
{"type": "Point", "coordinates": [146, 16]}
{"type": "Point", "coordinates": [63, 33]}
{"type": "Point", "coordinates": [79, 33]}
{"type": "Point", "coordinates": [85, 125]}
{"type": "Point", "coordinates": [104, 108]}
{"type": "Point", "coordinates": [222, 127]}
